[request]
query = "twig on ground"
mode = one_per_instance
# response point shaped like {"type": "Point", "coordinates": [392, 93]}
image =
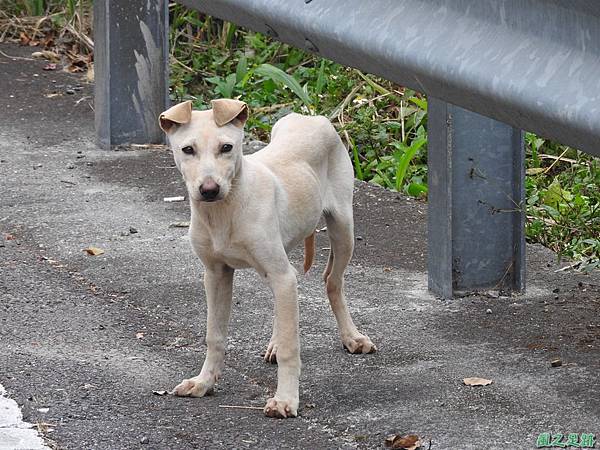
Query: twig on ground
{"type": "Point", "coordinates": [568, 160]}
{"type": "Point", "coordinates": [556, 160]}
{"type": "Point", "coordinates": [82, 37]}
{"type": "Point", "coordinates": [14, 58]}
{"type": "Point", "coordinates": [258, 408]}
{"type": "Point", "coordinates": [340, 108]}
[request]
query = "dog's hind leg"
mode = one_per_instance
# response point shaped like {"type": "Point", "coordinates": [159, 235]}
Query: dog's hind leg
{"type": "Point", "coordinates": [340, 228]}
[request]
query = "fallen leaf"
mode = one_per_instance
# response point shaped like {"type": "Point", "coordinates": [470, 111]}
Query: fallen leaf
{"type": "Point", "coordinates": [160, 392]}
{"type": "Point", "coordinates": [9, 237]}
{"type": "Point", "coordinates": [535, 170]}
{"type": "Point", "coordinates": [89, 76]}
{"type": "Point", "coordinates": [94, 251]}
{"type": "Point", "coordinates": [474, 381]}
{"type": "Point", "coordinates": [23, 38]}
{"type": "Point", "coordinates": [139, 335]}
{"type": "Point", "coordinates": [73, 68]}
{"type": "Point", "coordinates": [47, 54]}
{"type": "Point", "coordinates": [48, 40]}
{"type": "Point", "coordinates": [407, 442]}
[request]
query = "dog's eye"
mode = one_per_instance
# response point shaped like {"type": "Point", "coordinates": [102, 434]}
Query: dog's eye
{"type": "Point", "coordinates": [226, 148]}
{"type": "Point", "coordinates": [188, 150]}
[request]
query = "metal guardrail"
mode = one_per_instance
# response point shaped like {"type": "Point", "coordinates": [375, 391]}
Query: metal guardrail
{"type": "Point", "coordinates": [486, 65]}
{"type": "Point", "coordinates": [534, 64]}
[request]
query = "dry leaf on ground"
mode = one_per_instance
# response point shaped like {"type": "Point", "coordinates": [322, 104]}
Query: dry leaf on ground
{"type": "Point", "coordinates": [47, 54]}
{"type": "Point", "coordinates": [94, 251]}
{"type": "Point", "coordinates": [475, 381]}
{"type": "Point", "coordinates": [407, 442]}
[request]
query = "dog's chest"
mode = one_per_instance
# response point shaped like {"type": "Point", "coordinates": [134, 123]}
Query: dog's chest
{"type": "Point", "coordinates": [220, 245]}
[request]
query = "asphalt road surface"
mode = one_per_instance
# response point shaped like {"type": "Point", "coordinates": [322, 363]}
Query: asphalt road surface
{"type": "Point", "coordinates": [85, 340]}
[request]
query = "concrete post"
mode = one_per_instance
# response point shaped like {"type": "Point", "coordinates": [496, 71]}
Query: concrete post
{"type": "Point", "coordinates": [131, 70]}
{"type": "Point", "coordinates": [476, 202]}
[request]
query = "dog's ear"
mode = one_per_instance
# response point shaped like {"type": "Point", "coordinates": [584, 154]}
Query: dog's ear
{"type": "Point", "coordinates": [226, 111]}
{"type": "Point", "coordinates": [175, 115]}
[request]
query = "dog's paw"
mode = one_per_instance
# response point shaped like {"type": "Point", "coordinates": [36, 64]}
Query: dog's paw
{"type": "Point", "coordinates": [360, 343]}
{"type": "Point", "coordinates": [281, 409]}
{"type": "Point", "coordinates": [193, 387]}
{"type": "Point", "coordinates": [271, 353]}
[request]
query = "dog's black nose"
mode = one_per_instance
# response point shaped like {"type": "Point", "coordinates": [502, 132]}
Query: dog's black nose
{"type": "Point", "coordinates": [209, 190]}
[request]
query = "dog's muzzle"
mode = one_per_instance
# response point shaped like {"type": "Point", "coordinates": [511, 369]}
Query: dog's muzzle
{"type": "Point", "coordinates": [209, 190]}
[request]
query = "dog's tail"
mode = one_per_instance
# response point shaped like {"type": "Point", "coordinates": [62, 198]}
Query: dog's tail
{"type": "Point", "coordinates": [309, 251]}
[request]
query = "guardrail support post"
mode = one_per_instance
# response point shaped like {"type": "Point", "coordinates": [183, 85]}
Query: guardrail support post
{"type": "Point", "coordinates": [476, 202]}
{"type": "Point", "coordinates": [131, 70]}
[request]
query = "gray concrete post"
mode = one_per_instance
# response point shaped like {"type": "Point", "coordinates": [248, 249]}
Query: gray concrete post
{"type": "Point", "coordinates": [131, 70]}
{"type": "Point", "coordinates": [476, 202]}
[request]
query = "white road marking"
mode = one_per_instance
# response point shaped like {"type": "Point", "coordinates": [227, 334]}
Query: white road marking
{"type": "Point", "coordinates": [14, 433]}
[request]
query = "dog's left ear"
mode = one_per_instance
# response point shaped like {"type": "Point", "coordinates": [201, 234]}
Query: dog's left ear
{"type": "Point", "coordinates": [226, 111]}
{"type": "Point", "coordinates": [175, 115]}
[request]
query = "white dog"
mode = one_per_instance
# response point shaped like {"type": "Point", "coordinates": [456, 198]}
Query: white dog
{"type": "Point", "coordinates": [250, 211]}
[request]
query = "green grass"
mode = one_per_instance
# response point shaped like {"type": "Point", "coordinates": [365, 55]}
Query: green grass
{"type": "Point", "coordinates": [383, 125]}
{"type": "Point", "coordinates": [563, 201]}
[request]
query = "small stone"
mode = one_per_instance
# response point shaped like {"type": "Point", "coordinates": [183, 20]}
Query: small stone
{"type": "Point", "coordinates": [488, 311]}
{"type": "Point", "coordinates": [359, 238]}
{"type": "Point", "coordinates": [89, 164]}
{"type": "Point", "coordinates": [133, 230]}
{"type": "Point", "coordinates": [70, 166]}
{"type": "Point", "coordinates": [556, 363]}
{"type": "Point", "coordinates": [144, 440]}
{"type": "Point", "coordinates": [70, 91]}
{"type": "Point", "coordinates": [556, 290]}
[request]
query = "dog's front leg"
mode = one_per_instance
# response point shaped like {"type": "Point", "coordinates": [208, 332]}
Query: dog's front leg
{"type": "Point", "coordinates": [218, 280]}
{"type": "Point", "coordinates": [285, 289]}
